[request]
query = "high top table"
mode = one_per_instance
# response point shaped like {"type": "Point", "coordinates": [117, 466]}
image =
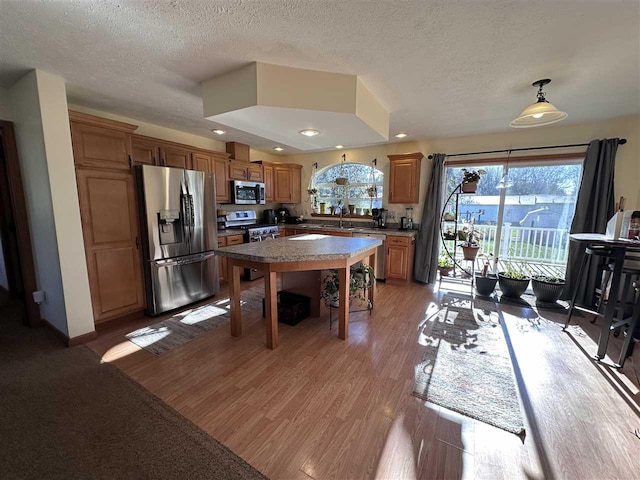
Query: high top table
{"type": "Point", "coordinates": [621, 247]}
{"type": "Point", "coordinates": [297, 253]}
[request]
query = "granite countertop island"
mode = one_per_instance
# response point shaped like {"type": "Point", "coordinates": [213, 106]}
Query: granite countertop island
{"type": "Point", "coordinates": [298, 253]}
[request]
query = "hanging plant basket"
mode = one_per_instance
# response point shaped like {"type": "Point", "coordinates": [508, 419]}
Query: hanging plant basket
{"type": "Point", "coordinates": [342, 181]}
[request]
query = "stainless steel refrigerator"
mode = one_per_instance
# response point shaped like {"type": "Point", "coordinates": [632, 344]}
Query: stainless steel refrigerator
{"type": "Point", "coordinates": [179, 231]}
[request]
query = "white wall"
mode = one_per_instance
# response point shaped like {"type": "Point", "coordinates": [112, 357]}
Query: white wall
{"type": "Point", "coordinates": [627, 159]}
{"type": "Point", "coordinates": [5, 104]}
{"type": "Point", "coordinates": [46, 157]}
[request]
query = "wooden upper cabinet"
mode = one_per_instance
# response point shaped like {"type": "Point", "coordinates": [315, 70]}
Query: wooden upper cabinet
{"type": "Point", "coordinates": [109, 216]}
{"type": "Point", "coordinates": [282, 184]}
{"type": "Point", "coordinates": [245, 171]}
{"type": "Point", "coordinates": [255, 172]}
{"type": "Point", "coordinates": [202, 162]}
{"type": "Point", "coordinates": [102, 144]}
{"type": "Point", "coordinates": [238, 151]}
{"type": "Point", "coordinates": [404, 178]}
{"type": "Point", "coordinates": [175, 157]}
{"type": "Point", "coordinates": [268, 182]}
{"type": "Point", "coordinates": [296, 183]}
{"type": "Point", "coordinates": [287, 183]}
{"type": "Point", "coordinates": [145, 151]}
{"type": "Point", "coordinates": [237, 170]}
{"type": "Point", "coordinates": [221, 171]}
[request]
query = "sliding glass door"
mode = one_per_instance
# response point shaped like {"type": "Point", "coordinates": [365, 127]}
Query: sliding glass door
{"type": "Point", "coordinates": [522, 212]}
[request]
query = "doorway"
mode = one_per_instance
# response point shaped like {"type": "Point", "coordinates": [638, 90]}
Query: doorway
{"type": "Point", "coordinates": [17, 272]}
{"type": "Point", "coordinates": [522, 210]}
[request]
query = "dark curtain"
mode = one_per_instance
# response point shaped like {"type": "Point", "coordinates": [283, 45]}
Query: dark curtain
{"type": "Point", "coordinates": [425, 264]}
{"type": "Point", "coordinates": [594, 207]}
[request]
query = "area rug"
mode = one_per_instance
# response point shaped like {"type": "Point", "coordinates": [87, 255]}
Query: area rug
{"type": "Point", "coordinates": [172, 332]}
{"type": "Point", "coordinates": [466, 365]}
{"type": "Point", "coordinates": [67, 415]}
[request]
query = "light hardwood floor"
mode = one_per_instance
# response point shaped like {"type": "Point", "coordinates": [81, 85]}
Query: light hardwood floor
{"type": "Point", "coordinates": [318, 407]}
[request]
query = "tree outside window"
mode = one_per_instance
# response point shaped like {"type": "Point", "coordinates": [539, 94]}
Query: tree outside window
{"type": "Point", "coordinates": [360, 178]}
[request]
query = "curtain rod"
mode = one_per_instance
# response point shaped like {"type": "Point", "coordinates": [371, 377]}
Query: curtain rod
{"type": "Point", "coordinates": [621, 142]}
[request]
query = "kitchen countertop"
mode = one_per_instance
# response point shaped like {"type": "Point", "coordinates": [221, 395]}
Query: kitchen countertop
{"type": "Point", "coordinates": [300, 248]}
{"type": "Point", "coordinates": [331, 228]}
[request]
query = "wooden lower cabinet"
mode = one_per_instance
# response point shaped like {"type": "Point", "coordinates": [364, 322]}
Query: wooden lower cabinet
{"type": "Point", "coordinates": [110, 227]}
{"type": "Point", "coordinates": [222, 261]}
{"type": "Point", "coordinates": [399, 258]}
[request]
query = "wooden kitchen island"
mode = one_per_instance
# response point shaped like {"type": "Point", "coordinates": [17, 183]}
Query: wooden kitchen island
{"type": "Point", "coordinates": [297, 253]}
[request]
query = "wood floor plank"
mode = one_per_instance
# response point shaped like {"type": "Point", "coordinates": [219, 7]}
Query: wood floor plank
{"type": "Point", "coordinates": [320, 407]}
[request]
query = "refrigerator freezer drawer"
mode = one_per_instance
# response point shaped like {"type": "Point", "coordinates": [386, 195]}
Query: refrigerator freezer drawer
{"type": "Point", "coordinates": [177, 282]}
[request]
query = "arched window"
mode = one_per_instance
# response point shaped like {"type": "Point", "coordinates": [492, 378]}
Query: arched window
{"type": "Point", "coordinates": [360, 178]}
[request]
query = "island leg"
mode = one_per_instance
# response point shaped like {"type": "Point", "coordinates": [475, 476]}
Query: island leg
{"type": "Point", "coordinates": [343, 307]}
{"type": "Point", "coordinates": [271, 308]}
{"type": "Point", "coordinates": [374, 286]}
{"type": "Point", "coordinates": [234, 300]}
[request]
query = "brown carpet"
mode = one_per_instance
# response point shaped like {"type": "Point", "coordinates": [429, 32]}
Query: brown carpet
{"type": "Point", "coordinates": [466, 365]}
{"type": "Point", "coordinates": [63, 414]}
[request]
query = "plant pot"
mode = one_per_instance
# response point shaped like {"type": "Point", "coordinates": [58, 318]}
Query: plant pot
{"type": "Point", "coordinates": [470, 187]}
{"type": "Point", "coordinates": [445, 271]}
{"type": "Point", "coordinates": [352, 208]}
{"type": "Point", "coordinates": [512, 287]}
{"type": "Point", "coordinates": [450, 236]}
{"type": "Point", "coordinates": [486, 285]}
{"type": "Point", "coordinates": [470, 253]}
{"type": "Point", "coordinates": [323, 207]}
{"type": "Point", "coordinates": [547, 292]}
{"type": "Point", "coordinates": [342, 180]}
{"type": "Point", "coordinates": [462, 235]}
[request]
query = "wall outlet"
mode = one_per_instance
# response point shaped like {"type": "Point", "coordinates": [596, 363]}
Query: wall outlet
{"type": "Point", "coordinates": [39, 297]}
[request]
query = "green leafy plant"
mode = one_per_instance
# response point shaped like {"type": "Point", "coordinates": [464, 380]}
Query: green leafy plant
{"type": "Point", "coordinates": [312, 191]}
{"type": "Point", "coordinates": [548, 279]}
{"type": "Point", "coordinates": [360, 278]}
{"type": "Point", "coordinates": [445, 262]}
{"type": "Point", "coordinates": [472, 176]}
{"type": "Point", "coordinates": [515, 274]}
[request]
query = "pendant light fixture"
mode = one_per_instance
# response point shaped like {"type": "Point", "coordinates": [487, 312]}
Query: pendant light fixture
{"type": "Point", "coordinates": [540, 113]}
{"type": "Point", "coordinates": [504, 181]}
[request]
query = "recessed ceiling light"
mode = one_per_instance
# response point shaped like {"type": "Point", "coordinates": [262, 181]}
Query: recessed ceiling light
{"type": "Point", "coordinates": [278, 149]}
{"type": "Point", "coordinates": [339, 146]}
{"type": "Point", "coordinates": [309, 133]}
{"type": "Point", "coordinates": [400, 135]}
{"type": "Point", "coordinates": [218, 131]}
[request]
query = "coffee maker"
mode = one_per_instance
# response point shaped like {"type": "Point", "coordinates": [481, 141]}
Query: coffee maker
{"type": "Point", "coordinates": [379, 216]}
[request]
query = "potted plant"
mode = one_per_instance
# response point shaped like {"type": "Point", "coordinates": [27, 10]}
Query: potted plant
{"type": "Point", "coordinates": [445, 265]}
{"type": "Point", "coordinates": [449, 234]}
{"type": "Point", "coordinates": [547, 289]}
{"type": "Point", "coordinates": [513, 283]}
{"type": "Point", "coordinates": [342, 181]}
{"type": "Point", "coordinates": [449, 217]}
{"type": "Point", "coordinates": [485, 281]}
{"type": "Point", "coordinates": [470, 246]}
{"type": "Point", "coordinates": [360, 278]}
{"type": "Point", "coordinates": [471, 179]}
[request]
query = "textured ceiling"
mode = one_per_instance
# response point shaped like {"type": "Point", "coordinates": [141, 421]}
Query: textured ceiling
{"type": "Point", "coordinates": [442, 68]}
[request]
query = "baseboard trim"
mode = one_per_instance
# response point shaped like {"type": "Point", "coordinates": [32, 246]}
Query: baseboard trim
{"type": "Point", "coordinates": [71, 342]}
{"type": "Point", "coordinates": [84, 338]}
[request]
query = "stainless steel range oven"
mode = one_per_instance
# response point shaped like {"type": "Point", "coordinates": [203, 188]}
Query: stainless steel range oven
{"type": "Point", "coordinates": [248, 193]}
{"type": "Point", "coordinates": [259, 233]}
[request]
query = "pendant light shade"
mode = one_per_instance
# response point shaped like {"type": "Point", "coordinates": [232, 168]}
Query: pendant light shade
{"type": "Point", "coordinates": [540, 113]}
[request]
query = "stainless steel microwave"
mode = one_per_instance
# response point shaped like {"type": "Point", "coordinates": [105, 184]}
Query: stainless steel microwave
{"type": "Point", "coordinates": [248, 193]}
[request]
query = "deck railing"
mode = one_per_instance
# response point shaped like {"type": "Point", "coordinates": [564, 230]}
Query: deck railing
{"type": "Point", "coordinates": [528, 244]}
